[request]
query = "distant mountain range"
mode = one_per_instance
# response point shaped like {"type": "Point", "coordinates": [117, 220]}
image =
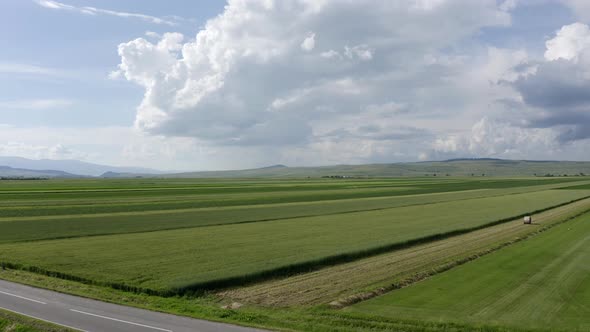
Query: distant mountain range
{"type": "Point", "coordinates": [9, 172]}
{"type": "Point", "coordinates": [455, 167]}
{"type": "Point", "coordinates": [73, 167]}
{"type": "Point", "coordinates": [21, 167]}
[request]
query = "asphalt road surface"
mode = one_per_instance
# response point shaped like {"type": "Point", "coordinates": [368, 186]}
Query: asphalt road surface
{"type": "Point", "coordinates": [94, 316]}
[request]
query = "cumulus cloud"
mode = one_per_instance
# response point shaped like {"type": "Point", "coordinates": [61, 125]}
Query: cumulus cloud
{"type": "Point", "coordinates": [243, 80]}
{"type": "Point", "coordinates": [569, 42]}
{"type": "Point", "coordinates": [558, 90]}
{"type": "Point", "coordinates": [308, 43]}
{"type": "Point", "coordinates": [493, 138]}
{"type": "Point", "coordinates": [87, 10]}
{"type": "Point", "coordinates": [247, 89]}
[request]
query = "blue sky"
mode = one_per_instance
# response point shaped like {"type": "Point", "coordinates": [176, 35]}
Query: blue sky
{"type": "Point", "coordinates": [82, 50]}
{"type": "Point", "coordinates": [216, 85]}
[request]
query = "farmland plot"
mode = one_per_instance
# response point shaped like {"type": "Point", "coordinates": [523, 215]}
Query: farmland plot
{"type": "Point", "coordinates": [68, 221]}
{"type": "Point", "coordinates": [345, 284]}
{"type": "Point", "coordinates": [197, 258]}
{"type": "Point", "coordinates": [542, 282]}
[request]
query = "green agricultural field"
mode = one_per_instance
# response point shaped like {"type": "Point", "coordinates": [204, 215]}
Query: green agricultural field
{"type": "Point", "coordinates": [283, 248]}
{"type": "Point", "coordinates": [203, 257]}
{"type": "Point", "coordinates": [348, 283]}
{"type": "Point", "coordinates": [64, 221]}
{"type": "Point", "coordinates": [541, 282]}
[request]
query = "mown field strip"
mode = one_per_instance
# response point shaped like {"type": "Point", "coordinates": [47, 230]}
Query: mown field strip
{"type": "Point", "coordinates": [368, 277]}
{"type": "Point", "coordinates": [217, 192]}
{"type": "Point", "coordinates": [542, 282]}
{"type": "Point", "coordinates": [87, 203]}
{"type": "Point", "coordinates": [178, 261]}
{"type": "Point", "coordinates": [38, 203]}
{"type": "Point", "coordinates": [179, 202]}
{"type": "Point", "coordinates": [67, 226]}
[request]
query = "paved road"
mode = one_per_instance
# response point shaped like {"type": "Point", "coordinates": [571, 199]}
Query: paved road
{"type": "Point", "coordinates": [95, 316]}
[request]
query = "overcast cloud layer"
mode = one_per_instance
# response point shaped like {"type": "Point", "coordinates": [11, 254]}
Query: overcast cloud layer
{"type": "Point", "coordinates": [310, 82]}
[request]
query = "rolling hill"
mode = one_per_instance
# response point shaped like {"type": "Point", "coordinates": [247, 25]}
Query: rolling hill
{"type": "Point", "coordinates": [455, 167]}
{"type": "Point", "coordinates": [9, 172]}
{"type": "Point", "coordinates": [70, 166]}
{"type": "Point", "coordinates": [21, 167]}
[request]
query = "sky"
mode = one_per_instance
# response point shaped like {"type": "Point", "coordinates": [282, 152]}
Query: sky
{"type": "Point", "coordinates": [206, 85]}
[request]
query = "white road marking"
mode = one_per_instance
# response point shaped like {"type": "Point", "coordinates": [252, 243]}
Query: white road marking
{"type": "Point", "coordinates": [120, 320]}
{"type": "Point", "coordinates": [22, 297]}
{"type": "Point", "coordinates": [45, 320]}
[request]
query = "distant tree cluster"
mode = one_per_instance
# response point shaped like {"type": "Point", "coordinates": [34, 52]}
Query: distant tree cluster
{"type": "Point", "coordinates": [550, 175]}
{"type": "Point", "coordinates": [13, 178]}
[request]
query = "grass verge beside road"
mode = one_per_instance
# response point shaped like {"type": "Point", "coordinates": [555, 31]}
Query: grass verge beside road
{"type": "Point", "coordinates": [12, 322]}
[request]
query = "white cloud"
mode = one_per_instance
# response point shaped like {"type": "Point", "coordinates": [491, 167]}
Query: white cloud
{"type": "Point", "coordinates": [98, 11]}
{"type": "Point", "coordinates": [556, 96]}
{"type": "Point", "coordinates": [152, 34]}
{"type": "Point", "coordinates": [569, 42]}
{"type": "Point", "coordinates": [35, 104]}
{"type": "Point", "coordinates": [243, 79]}
{"type": "Point", "coordinates": [492, 138]}
{"type": "Point", "coordinates": [505, 65]}
{"type": "Point", "coordinates": [250, 90]}
{"type": "Point", "coordinates": [308, 43]}
{"type": "Point", "coordinates": [362, 52]}
{"type": "Point", "coordinates": [330, 54]}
